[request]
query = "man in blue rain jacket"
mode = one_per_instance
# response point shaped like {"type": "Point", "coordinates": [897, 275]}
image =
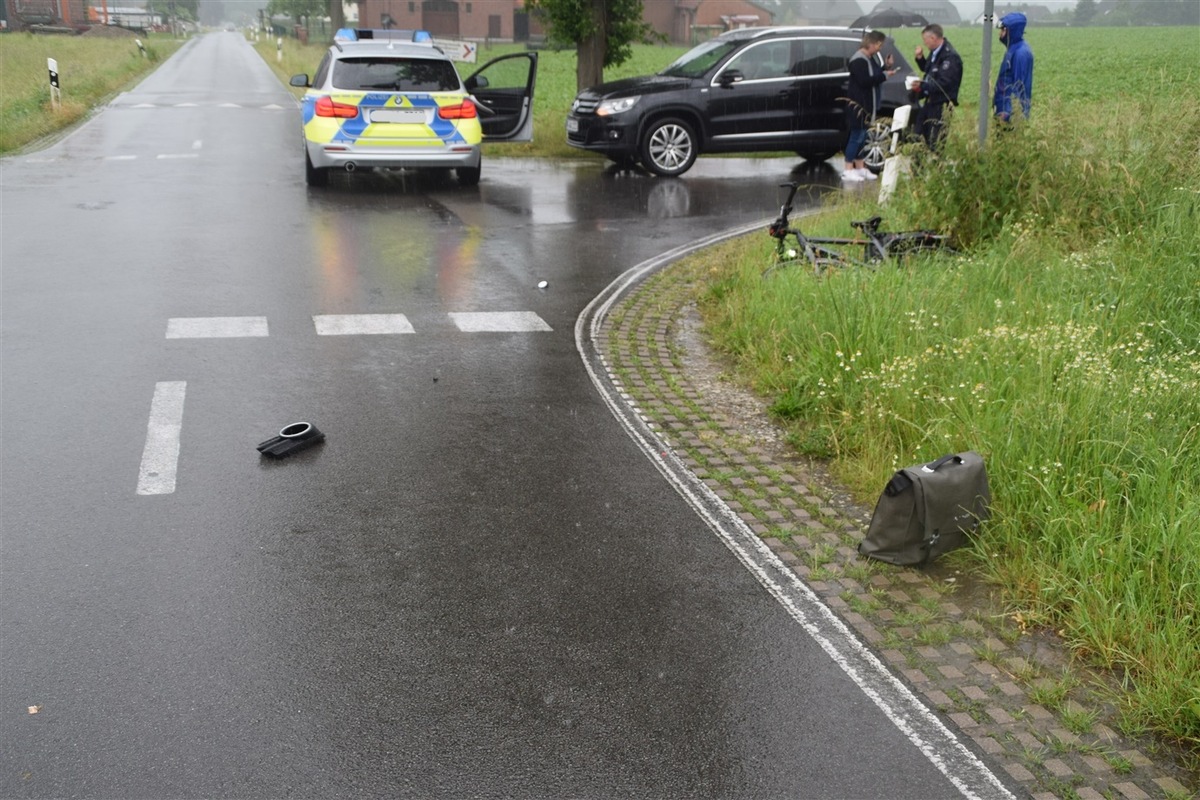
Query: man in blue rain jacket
{"type": "Point", "coordinates": [1016, 70]}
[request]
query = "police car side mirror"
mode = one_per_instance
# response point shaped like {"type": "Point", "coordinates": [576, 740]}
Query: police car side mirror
{"type": "Point", "coordinates": [299, 80]}
{"type": "Point", "coordinates": [476, 82]}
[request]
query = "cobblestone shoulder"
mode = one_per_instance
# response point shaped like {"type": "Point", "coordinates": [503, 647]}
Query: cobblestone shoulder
{"type": "Point", "coordinates": [1016, 693]}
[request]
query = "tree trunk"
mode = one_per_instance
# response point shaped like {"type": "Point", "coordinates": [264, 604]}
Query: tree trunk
{"type": "Point", "coordinates": [337, 18]}
{"type": "Point", "coordinates": [589, 67]}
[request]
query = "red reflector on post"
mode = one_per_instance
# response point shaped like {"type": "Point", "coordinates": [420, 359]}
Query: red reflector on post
{"type": "Point", "coordinates": [325, 107]}
{"type": "Point", "coordinates": [464, 110]}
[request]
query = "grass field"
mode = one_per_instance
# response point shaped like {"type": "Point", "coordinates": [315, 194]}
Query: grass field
{"type": "Point", "coordinates": [1065, 347]}
{"type": "Point", "coordinates": [90, 70]}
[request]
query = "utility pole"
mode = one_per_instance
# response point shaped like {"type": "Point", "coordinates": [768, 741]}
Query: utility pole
{"type": "Point", "coordinates": [985, 83]}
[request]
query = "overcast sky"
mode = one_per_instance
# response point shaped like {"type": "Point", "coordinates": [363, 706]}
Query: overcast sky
{"type": "Point", "coordinates": [969, 9]}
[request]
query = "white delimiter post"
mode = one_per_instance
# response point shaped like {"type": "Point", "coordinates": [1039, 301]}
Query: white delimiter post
{"type": "Point", "coordinates": [55, 95]}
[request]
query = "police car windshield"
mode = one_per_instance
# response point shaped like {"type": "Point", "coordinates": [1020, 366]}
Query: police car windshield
{"type": "Point", "coordinates": [700, 59]}
{"type": "Point", "coordinates": [384, 74]}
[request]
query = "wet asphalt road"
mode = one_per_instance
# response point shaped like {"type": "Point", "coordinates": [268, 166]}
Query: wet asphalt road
{"type": "Point", "coordinates": [476, 587]}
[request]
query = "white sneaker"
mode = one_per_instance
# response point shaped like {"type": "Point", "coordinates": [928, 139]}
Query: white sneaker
{"type": "Point", "coordinates": [866, 174]}
{"type": "Point", "coordinates": [851, 175]}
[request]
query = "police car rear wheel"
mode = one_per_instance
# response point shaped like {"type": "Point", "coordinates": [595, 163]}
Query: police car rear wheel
{"type": "Point", "coordinates": [468, 176]}
{"type": "Point", "coordinates": [314, 176]}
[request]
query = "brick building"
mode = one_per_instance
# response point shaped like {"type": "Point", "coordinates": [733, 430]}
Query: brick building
{"type": "Point", "coordinates": [508, 20]}
{"type": "Point", "coordinates": [20, 14]}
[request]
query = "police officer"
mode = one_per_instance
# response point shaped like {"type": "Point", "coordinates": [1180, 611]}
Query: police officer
{"type": "Point", "coordinates": [938, 89]}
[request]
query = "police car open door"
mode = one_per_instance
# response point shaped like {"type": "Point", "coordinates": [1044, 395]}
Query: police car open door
{"type": "Point", "coordinates": [503, 89]}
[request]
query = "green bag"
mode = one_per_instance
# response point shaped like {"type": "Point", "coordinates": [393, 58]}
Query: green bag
{"type": "Point", "coordinates": [928, 510]}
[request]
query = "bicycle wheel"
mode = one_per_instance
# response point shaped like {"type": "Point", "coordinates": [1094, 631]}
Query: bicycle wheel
{"type": "Point", "coordinates": [910, 243]}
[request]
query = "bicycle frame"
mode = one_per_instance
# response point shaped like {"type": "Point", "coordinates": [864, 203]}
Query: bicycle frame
{"type": "Point", "coordinates": [823, 252]}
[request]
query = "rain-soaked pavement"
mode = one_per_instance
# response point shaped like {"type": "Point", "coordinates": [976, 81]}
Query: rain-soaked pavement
{"type": "Point", "coordinates": [478, 585]}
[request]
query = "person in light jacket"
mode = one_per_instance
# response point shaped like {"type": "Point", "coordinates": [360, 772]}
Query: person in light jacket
{"type": "Point", "coordinates": [1015, 80]}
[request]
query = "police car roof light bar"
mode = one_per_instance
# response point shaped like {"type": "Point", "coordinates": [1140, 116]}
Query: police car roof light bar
{"type": "Point", "coordinates": [361, 34]}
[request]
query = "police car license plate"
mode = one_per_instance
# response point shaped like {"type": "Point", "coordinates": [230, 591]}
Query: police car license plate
{"type": "Point", "coordinates": [572, 125]}
{"type": "Point", "coordinates": [404, 116]}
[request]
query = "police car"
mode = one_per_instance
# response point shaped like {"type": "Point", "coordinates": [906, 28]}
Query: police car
{"type": "Point", "coordinates": [393, 99]}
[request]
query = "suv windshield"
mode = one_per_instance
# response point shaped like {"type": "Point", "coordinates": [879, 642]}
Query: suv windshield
{"type": "Point", "coordinates": [394, 75]}
{"type": "Point", "coordinates": [700, 59]}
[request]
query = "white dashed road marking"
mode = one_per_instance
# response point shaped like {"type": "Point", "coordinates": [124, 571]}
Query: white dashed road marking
{"type": "Point", "coordinates": [353, 324]}
{"type": "Point", "coordinates": [160, 457]}
{"type": "Point", "coordinates": [499, 321]}
{"type": "Point", "coordinates": [215, 327]}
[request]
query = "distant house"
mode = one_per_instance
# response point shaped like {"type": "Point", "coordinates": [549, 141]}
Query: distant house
{"type": "Point", "coordinates": [504, 20]}
{"type": "Point", "coordinates": [20, 14]}
{"type": "Point", "coordinates": [125, 16]}
{"type": "Point", "coordinates": [681, 21]}
{"type": "Point", "coordinates": [941, 12]}
{"type": "Point", "coordinates": [688, 21]}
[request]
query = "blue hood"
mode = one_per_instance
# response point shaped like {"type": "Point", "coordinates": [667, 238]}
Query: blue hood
{"type": "Point", "coordinates": [1015, 23]}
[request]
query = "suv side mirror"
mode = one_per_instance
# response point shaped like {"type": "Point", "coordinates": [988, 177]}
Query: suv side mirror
{"type": "Point", "coordinates": [299, 80]}
{"type": "Point", "coordinates": [729, 77]}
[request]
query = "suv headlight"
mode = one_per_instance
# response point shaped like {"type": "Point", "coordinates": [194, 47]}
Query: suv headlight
{"type": "Point", "coordinates": [610, 107]}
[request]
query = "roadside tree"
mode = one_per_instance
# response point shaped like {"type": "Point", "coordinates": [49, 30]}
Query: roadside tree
{"type": "Point", "coordinates": [602, 32]}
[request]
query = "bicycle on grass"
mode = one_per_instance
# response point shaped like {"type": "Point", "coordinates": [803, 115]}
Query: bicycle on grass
{"type": "Point", "coordinates": [876, 246]}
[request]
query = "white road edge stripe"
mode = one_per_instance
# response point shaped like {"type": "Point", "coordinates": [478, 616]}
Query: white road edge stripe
{"type": "Point", "coordinates": [906, 711]}
{"type": "Point", "coordinates": [160, 457]}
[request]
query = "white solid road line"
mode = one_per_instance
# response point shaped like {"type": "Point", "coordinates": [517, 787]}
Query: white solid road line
{"type": "Point", "coordinates": [160, 457]}
{"type": "Point", "coordinates": [969, 775]}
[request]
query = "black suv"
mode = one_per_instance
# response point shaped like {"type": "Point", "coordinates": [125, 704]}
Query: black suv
{"type": "Point", "coordinates": [747, 90]}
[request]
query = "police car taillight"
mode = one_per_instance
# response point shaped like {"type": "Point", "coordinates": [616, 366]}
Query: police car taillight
{"type": "Point", "coordinates": [464, 110]}
{"type": "Point", "coordinates": [326, 107]}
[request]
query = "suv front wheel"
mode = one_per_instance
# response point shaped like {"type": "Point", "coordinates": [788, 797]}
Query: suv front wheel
{"type": "Point", "coordinates": [668, 147]}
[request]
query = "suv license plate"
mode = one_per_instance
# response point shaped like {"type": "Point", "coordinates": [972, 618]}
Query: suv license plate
{"type": "Point", "coordinates": [572, 125]}
{"type": "Point", "coordinates": [409, 116]}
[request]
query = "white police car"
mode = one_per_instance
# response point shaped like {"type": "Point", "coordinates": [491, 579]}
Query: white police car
{"type": "Point", "coordinates": [393, 99]}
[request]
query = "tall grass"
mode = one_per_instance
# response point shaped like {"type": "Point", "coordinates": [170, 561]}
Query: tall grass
{"type": "Point", "coordinates": [1065, 347]}
{"type": "Point", "coordinates": [90, 69]}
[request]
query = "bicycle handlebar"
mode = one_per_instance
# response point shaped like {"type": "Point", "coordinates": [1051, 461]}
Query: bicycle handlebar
{"type": "Point", "coordinates": [779, 227]}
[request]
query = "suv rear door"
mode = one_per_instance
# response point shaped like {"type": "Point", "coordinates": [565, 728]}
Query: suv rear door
{"type": "Point", "coordinates": [824, 75]}
{"type": "Point", "coordinates": [503, 88]}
